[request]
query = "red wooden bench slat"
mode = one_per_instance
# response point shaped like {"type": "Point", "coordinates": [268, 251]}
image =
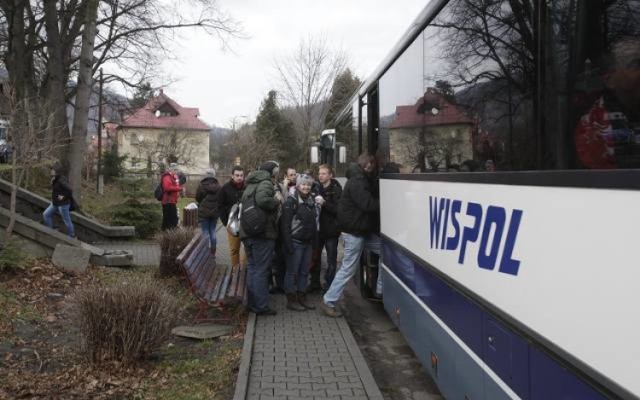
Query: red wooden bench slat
{"type": "Point", "coordinates": [217, 295]}
{"type": "Point", "coordinates": [231, 291]}
{"type": "Point", "coordinates": [186, 252]}
{"type": "Point", "coordinates": [209, 282]}
{"type": "Point", "coordinates": [196, 256]}
{"type": "Point", "coordinates": [205, 281]}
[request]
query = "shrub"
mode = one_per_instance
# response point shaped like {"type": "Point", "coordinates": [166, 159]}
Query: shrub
{"type": "Point", "coordinates": [172, 242]}
{"type": "Point", "coordinates": [11, 257]}
{"type": "Point", "coordinates": [113, 164]}
{"type": "Point", "coordinates": [124, 322]}
{"type": "Point", "coordinates": [146, 217]}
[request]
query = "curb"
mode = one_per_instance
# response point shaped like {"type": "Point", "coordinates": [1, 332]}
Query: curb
{"type": "Point", "coordinates": [242, 383]}
{"type": "Point", "coordinates": [370, 385]}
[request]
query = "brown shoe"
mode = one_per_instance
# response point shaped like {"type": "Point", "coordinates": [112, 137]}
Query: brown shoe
{"type": "Point", "coordinates": [302, 299]}
{"type": "Point", "coordinates": [329, 311]}
{"type": "Point", "coordinates": [292, 303]}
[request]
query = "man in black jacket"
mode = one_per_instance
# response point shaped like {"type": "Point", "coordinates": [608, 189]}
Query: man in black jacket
{"type": "Point", "coordinates": [329, 230]}
{"type": "Point", "coordinates": [357, 217]}
{"type": "Point", "coordinates": [230, 194]}
{"type": "Point", "coordinates": [61, 198]}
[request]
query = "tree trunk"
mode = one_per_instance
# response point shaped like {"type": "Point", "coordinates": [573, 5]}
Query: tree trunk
{"type": "Point", "coordinates": [16, 178]}
{"type": "Point", "coordinates": [15, 56]}
{"type": "Point", "coordinates": [59, 132]}
{"type": "Point", "coordinates": [83, 95]}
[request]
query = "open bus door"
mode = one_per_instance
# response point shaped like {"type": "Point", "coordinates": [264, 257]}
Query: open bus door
{"type": "Point", "coordinates": [367, 279]}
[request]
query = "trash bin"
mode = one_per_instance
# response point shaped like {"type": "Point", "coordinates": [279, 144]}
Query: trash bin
{"type": "Point", "coordinates": [190, 216]}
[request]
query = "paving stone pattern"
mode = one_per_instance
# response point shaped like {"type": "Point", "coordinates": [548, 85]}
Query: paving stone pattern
{"type": "Point", "coordinates": [302, 355]}
{"type": "Point", "coordinates": [144, 253]}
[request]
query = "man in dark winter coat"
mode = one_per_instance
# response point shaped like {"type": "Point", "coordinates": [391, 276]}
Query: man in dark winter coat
{"type": "Point", "coordinates": [207, 199]}
{"type": "Point", "coordinates": [230, 194]}
{"type": "Point", "coordinates": [329, 229]}
{"type": "Point", "coordinates": [357, 217]}
{"type": "Point", "coordinates": [260, 247]}
{"type": "Point", "coordinates": [61, 198]}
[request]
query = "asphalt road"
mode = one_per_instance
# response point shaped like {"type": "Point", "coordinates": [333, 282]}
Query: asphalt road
{"type": "Point", "coordinates": [395, 368]}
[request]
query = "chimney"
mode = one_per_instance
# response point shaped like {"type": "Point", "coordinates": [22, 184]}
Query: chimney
{"type": "Point", "coordinates": [161, 91]}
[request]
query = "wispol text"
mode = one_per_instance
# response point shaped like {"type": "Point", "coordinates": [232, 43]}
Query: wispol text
{"type": "Point", "coordinates": [444, 213]}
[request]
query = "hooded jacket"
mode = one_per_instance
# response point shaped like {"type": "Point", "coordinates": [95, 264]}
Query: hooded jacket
{"type": "Point", "coordinates": [229, 195]}
{"type": "Point", "coordinates": [170, 188]}
{"type": "Point", "coordinates": [298, 220]}
{"type": "Point", "coordinates": [207, 198]}
{"type": "Point", "coordinates": [329, 226]}
{"type": "Point", "coordinates": [61, 191]}
{"type": "Point", "coordinates": [259, 182]}
{"type": "Point", "coordinates": [358, 207]}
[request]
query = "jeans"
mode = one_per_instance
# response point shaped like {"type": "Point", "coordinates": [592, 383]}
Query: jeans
{"type": "Point", "coordinates": [64, 213]}
{"type": "Point", "coordinates": [238, 256]}
{"type": "Point", "coordinates": [169, 216]}
{"type": "Point", "coordinates": [353, 247]}
{"type": "Point", "coordinates": [297, 274]}
{"type": "Point", "coordinates": [208, 226]}
{"type": "Point", "coordinates": [279, 264]}
{"type": "Point", "coordinates": [331, 246]}
{"type": "Point", "coordinates": [259, 254]}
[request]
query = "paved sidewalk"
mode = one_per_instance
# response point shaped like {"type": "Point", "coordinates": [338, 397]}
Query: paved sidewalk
{"type": "Point", "coordinates": [306, 355]}
{"type": "Point", "coordinates": [144, 253]}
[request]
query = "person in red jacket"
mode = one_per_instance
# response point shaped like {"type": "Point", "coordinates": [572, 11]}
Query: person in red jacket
{"type": "Point", "coordinates": [171, 189]}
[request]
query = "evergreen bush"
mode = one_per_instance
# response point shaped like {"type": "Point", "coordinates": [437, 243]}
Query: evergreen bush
{"type": "Point", "coordinates": [146, 217]}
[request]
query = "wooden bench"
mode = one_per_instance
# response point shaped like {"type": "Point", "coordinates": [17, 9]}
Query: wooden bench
{"type": "Point", "coordinates": [212, 284]}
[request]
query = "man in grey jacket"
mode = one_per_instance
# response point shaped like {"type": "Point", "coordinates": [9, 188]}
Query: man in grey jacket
{"type": "Point", "coordinates": [260, 247]}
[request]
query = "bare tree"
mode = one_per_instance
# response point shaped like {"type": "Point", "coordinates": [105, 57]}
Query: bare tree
{"type": "Point", "coordinates": [306, 78]}
{"type": "Point", "coordinates": [167, 147]}
{"type": "Point", "coordinates": [25, 139]}
{"type": "Point", "coordinates": [252, 148]}
{"type": "Point", "coordinates": [41, 44]}
{"type": "Point", "coordinates": [81, 116]}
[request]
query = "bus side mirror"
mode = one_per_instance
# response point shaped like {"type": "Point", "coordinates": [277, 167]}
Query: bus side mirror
{"type": "Point", "coordinates": [342, 154]}
{"type": "Point", "coordinates": [314, 156]}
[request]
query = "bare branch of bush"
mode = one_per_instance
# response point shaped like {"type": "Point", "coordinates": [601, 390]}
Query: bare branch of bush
{"type": "Point", "coordinates": [172, 242]}
{"type": "Point", "coordinates": [124, 322]}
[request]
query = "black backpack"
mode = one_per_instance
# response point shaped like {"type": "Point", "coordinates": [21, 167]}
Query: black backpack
{"type": "Point", "coordinates": [253, 218]}
{"type": "Point", "coordinates": [158, 192]}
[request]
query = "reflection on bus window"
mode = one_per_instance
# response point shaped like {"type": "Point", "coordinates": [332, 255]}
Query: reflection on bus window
{"type": "Point", "coordinates": [600, 68]}
{"type": "Point", "coordinates": [467, 93]}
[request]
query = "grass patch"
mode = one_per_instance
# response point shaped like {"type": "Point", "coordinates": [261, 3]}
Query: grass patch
{"type": "Point", "coordinates": [209, 375]}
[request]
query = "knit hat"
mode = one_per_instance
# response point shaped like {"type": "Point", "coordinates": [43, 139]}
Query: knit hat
{"type": "Point", "coordinates": [304, 179]}
{"type": "Point", "coordinates": [270, 166]}
{"type": "Point", "coordinates": [211, 173]}
{"type": "Point", "coordinates": [57, 168]}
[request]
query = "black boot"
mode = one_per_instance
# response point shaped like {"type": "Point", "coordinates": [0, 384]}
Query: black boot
{"type": "Point", "coordinates": [302, 299]}
{"type": "Point", "coordinates": [292, 303]}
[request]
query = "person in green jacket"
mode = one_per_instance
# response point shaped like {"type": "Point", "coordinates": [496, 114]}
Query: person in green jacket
{"type": "Point", "coordinates": [260, 247]}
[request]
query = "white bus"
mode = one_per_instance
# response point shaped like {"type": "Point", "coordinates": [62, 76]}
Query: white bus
{"type": "Point", "coordinates": [510, 198]}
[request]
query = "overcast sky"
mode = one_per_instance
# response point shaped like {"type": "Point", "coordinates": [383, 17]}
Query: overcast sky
{"type": "Point", "coordinates": [226, 84]}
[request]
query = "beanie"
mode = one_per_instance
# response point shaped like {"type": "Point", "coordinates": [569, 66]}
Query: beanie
{"type": "Point", "coordinates": [271, 166]}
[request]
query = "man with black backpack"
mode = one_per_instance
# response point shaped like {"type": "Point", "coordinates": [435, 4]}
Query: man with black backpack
{"type": "Point", "coordinates": [258, 231]}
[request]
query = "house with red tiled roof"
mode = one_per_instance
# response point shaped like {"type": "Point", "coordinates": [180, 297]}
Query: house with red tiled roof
{"type": "Point", "coordinates": [434, 131]}
{"type": "Point", "coordinates": [163, 131]}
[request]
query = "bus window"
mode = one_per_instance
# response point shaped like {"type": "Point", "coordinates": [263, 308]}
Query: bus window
{"type": "Point", "coordinates": [460, 98]}
{"type": "Point", "coordinates": [594, 86]}
{"type": "Point", "coordinates": [399, 89]}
